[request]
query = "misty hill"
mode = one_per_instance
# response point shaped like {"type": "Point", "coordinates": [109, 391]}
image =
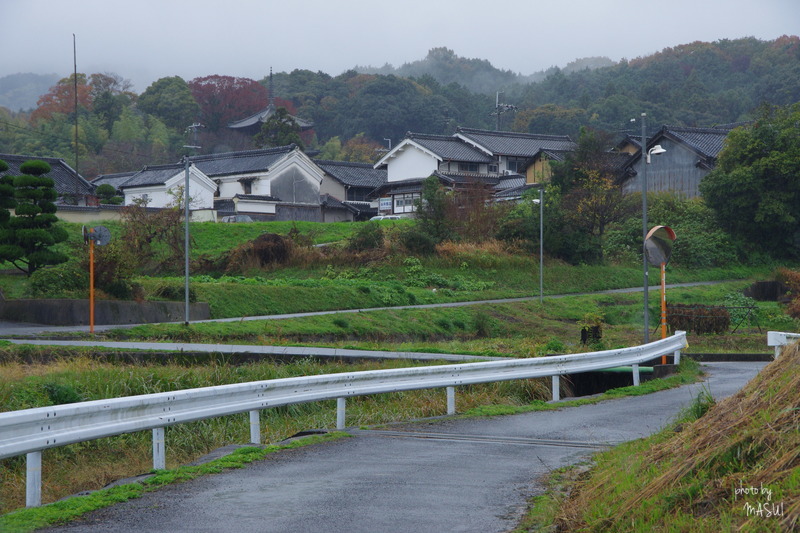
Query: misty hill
{"type": "Point", "coordinates": [477, 75]}
{"type": "Point", "coordinates": [22, 91]}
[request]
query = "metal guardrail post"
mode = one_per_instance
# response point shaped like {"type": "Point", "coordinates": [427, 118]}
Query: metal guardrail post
{"type": "Point", "coordinates": [159, 449]}
{"type": "Point", "coordinates": [33, 481]}
{"type": "Point", "coordinates": [451, 400]}
{"type": "Point", "coordinates": [779, 339]}
{"type": "Point", "coordinates": [677, 357]}
{"type": "Point", "coordinates": [255, 428]}
{"type": "Point", "coordinates": [341, 406]}
{"type": "Point", "coordinates": [29, 431]}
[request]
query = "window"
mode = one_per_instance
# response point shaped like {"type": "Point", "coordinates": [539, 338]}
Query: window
{"type": "Point", "coordinates": [468, 167]}
{"type": "Point", "coordinates": [248, 187]}
{"type": "Point", "coordinates": [404, 203]}
{"type": "Point", "coordinates": [493, 167]}
{"type": "Point", "coordinates": [515, 164]}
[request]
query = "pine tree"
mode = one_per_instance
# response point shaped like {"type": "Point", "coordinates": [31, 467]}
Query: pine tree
{"type": "Point", "coordinates": [27, 236]}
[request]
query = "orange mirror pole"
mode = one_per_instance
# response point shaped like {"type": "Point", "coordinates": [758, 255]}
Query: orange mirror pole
{"type": "Point", "coordinates": [91, 284]}
{"type": "Point", "coordinates": [663, 307]}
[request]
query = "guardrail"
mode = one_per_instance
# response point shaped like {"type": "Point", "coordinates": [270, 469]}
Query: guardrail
{"type": "Point", "coordinates": [779, 339]}
{"type": "Point", "coordinates": [32, 430]}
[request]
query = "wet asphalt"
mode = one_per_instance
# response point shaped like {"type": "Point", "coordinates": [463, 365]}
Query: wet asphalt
{"type": "Point", "coordinates": [447, 474]}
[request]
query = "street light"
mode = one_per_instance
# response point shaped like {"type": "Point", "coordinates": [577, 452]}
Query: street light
{"type": "Point", "coordinates": [655, 150]}
{"type": "Point", "coordinates": [540, 201]}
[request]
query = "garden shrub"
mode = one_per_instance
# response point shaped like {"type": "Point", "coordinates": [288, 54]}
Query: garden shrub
{"type": "Point", "coordinates": [67, 280]}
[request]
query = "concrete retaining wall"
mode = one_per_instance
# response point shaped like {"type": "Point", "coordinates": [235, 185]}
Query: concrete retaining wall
{"type": "Point", "coordinates": [76, 312]}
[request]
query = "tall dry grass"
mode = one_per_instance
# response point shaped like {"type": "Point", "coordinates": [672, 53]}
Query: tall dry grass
{"type": "Point", "coordinates": [750, 439]}
{"type": "Point", "coordinates": [92, 465]}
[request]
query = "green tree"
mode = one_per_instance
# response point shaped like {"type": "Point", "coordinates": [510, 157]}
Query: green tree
{"type": "Point", "coordinates": [26, 238]}
{"type": "Point", "coordinates": [331, 150]}
{"type": "Point", "coordinates": [432, 209]}
{"type": "Point", "coordinates": [754, 189]}
{"type": "Point", "coordinates": [7, 201]}
{"type": "Point", "coordinates": [279, 130]}
{"type": "Point", "coordinates": [171, 100]}
{"type": "Point", "coordinates": [108, 194]}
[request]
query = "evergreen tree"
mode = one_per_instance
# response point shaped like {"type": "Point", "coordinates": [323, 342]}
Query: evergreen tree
{"type": "Point", "coordinates": [279, 130]}
{"type": "Point", "coordinates": [26, 238]}
{"type": "Point", "coordinates": [754, 188]}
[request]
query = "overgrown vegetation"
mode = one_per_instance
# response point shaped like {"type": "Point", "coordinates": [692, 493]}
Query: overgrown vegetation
{"type": "Point", "coordinates": [77, 376]}
{"type": "Point", "coordinates": [730, 466]}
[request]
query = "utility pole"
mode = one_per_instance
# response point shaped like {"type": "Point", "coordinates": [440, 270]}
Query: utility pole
{"type": "Point", "coordinates": [192, 146]}
{"type": "Point", "coordinates": [499, 109]}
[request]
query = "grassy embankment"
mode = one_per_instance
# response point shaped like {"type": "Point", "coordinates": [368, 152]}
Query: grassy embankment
{"type": "Point", "coordinates": [522, 329]}
{"type": "Point", "coordinates": [43, 376]}
{"type": "Point", "coordinates": [734, 466]}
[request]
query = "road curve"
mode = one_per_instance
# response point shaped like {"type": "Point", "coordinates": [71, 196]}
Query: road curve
{"type": "Point", "coordinates": [472, 475]}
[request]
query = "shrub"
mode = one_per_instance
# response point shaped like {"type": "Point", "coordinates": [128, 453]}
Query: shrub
{"type": "Point", "coordinates": [416, 241]}
{"type": "Point", "coordinates": [555, 346]}
{"type": "Point", "coordinates": [483, 325]}
{"type": "Point", "coordinates": [172, 291]}
{"type": "Point", "coordinates": [67, 280]}
{"type": "Point", "coordinates": [266, 249]}
{"type": "Point", "coordinates": [368, 237]}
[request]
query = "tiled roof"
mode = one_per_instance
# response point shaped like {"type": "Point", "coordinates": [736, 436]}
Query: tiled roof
{"type": "Point", "coordinates": [257, 197]}
{"type": "Point", "coordinates": [515, 144]}
{"type": "Point", "coordinates": [155, 175]}
{"type": "Point", "coordinates": [263, 116]}
{"type": "Point", "coordinates": [326, 200]}
{"type": "Point", "coordinates": [243, 162]}
{"type": "Point", "coordinates": [461, 178]}
{"type": "Point", "coordinates": [509, 182]}
{"type": "Point", "coordinates": [706, 141]}
{"type": "Point", "coordinates": [115, 180]}
{"type": "Point", "coordinates": [450, 148]}
{"type": "Point", "coordinates": [513, 192]}
{"type": "Point", "coordinates": [67, 181]}
{"type": "Point", "coordinates": [353, 174]}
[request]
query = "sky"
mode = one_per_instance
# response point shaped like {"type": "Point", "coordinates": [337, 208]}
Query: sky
{"type": "Point", "coordinates": [144, 40]}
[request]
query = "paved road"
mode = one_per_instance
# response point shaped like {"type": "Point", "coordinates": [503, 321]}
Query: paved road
{"type": "Point", "coordinates": [293, 351]}
{"type": "Point", "coordinates": [12, 329]}
{"type": "Point", "coordinates": [441, 475]}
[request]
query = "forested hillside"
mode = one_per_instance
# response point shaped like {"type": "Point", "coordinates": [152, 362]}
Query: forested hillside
{"type": "Point", "coordinates": [357, 113]}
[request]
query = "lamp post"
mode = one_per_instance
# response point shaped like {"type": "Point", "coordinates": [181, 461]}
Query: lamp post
{"type": "Point", "coordinates": [540, 201]}
{"type": "Point", "coordinates": [541, 244]}
{"type": "Point", "coordinates": [656, 150]}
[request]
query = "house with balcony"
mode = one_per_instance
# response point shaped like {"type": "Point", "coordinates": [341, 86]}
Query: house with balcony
{"type": "Point", "coordinates": [513, 152]}
{"type": "Point", "coordinates": [469, 158]}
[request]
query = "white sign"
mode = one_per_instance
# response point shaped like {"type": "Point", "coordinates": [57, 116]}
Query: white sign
{"type": "Point", "coordinates": [386, 204]}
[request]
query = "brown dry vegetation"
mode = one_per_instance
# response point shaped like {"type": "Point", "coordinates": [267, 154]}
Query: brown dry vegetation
{"type": "Point", "coordinates": [750, 439]}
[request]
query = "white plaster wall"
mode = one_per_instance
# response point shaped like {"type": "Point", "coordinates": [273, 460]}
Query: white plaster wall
{"type": "Point", "coordinates": [411, 163]}
{"type": "Point", "coordinates": [244, 206]}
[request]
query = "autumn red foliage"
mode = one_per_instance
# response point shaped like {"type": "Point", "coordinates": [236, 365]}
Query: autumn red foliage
{"type": "Point", "coordinates": [61, 98]}
{"type": "Point", "coordinates": [223, 99]}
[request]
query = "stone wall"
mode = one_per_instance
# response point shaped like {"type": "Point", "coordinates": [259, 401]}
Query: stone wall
{"type": "Point", "coordinates": [65, 312]}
